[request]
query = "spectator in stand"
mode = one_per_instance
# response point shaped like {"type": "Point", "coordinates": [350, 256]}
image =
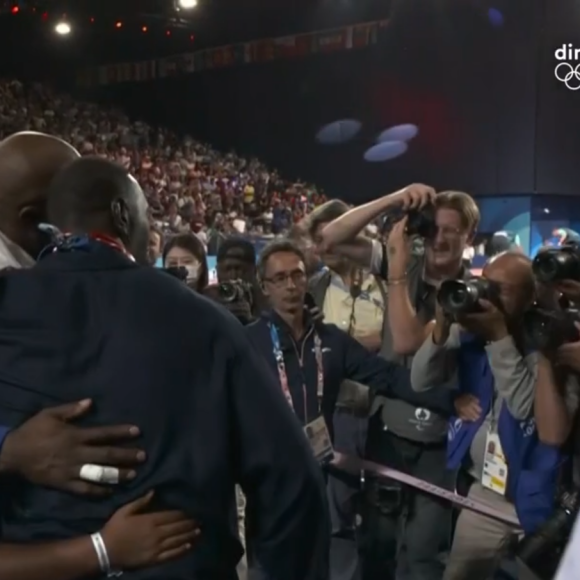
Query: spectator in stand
{"type": "Point", "coordinates": [155, 244]}
{"type": "Point", "coordinates": [187, 251]}
{"type": "Point", "coordinates": [189, 186]}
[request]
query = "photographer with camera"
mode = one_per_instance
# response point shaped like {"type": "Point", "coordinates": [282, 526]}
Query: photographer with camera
{"type": "Point", "coordinates": [477, 347]}
{"type": "Point", "coordinates": [400, 435]}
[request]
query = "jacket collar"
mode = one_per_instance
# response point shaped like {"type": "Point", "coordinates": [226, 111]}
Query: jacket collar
{"type": "Point", "coordinates": [272, 317]}
{"type": "Point", "coordinates": [95, 256]}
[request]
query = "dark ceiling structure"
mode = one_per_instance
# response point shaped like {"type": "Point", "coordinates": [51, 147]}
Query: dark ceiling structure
{"type": "Point", "coordinates": [114, 30]}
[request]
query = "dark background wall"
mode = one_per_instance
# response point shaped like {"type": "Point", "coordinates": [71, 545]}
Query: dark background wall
{"type": "Point", "coordinates": [492, 118]}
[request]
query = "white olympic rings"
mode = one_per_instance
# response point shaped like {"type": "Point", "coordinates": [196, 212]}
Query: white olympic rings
{"type": "Point", "coordinates": [565, 72]}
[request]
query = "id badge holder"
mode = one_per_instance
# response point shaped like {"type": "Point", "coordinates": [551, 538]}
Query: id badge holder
{"type": "Point", "coordinates": [319, 439]}
{"type": "Point", "coordinates": [495, 469]}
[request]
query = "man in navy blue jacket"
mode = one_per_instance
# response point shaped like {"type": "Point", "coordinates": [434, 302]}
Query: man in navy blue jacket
{"type": "Point", "coordinates": [314, 358]}
{"type": "Point", "coordinates": [88, 321]}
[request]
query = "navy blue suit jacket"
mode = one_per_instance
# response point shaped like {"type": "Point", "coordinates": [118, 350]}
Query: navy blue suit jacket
{"type": "Point", "coordinates": [343, 358]}
{"type": "Point", "coordinates": [149, 352]}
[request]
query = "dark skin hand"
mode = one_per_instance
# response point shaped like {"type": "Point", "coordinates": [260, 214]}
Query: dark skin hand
{"type": "Point", "coordinates": [133, 539]}
{"type": "Point", "coordinates": [49, 450]}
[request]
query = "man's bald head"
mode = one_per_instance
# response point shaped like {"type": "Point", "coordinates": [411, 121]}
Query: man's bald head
{"type": "Point", "coordinates": [28, 163]}
{"type": "Point", "coordinates": [512, 271]}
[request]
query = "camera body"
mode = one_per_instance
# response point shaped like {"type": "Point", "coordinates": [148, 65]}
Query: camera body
{"type": "Point", "coordinates": [460, 297]}
{"type": "Point", "coordinates": [557, 264]}
{"type": "Point", "coordinates": [546, 330]}
{"type": "Point", "coordinates": [421, 222]}
{"type": "Point", "coordinates": [234, 295]}
{"type": "Point", "coordinates": [541, 551]}
{"type": "Point", "coordinates": [235, 291]}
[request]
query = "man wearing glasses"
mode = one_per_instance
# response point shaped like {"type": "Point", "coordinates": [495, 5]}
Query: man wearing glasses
{"type": "Point", "coordinates": [311, 359]}
{"type": "Point", "coordinates": [400, 435]}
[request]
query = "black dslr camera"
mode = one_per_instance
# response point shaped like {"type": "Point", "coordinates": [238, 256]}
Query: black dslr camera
{"type": "Point", "coordinates": [235, 291]}
{"type": "Point", "coordinates": [546, 330]}
{"type": "Point", "coordinates": [421, 222]}
{"type": "Point", "coordinates": [234, 295]}
{"type": "Point", "coordinates": [556, 264]}
{"type": "Point", "coordinates": [457, 297]}
{"type": "Point", "coordinates": [541, 551]}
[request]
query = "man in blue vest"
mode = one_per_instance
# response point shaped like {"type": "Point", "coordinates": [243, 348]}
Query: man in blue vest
{"type": "Point", "coordinates": [88, 321]}
{"type": "Point", "coordinates": [494, 437]}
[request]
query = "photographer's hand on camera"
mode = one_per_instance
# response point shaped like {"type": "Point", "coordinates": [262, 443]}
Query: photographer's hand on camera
{"type": "Point", "coordinates": [568, 355]}
{"type": "Point", "coordinates": [442, 326]}
{"type": "Point", "coordinates": [570, 289]}
{"type": "Point", "coordinates": [489, 324]}
{"type": "Point", "coordinates": [399, 252]}
{"type": "Point", "coordinates": [414, 196]}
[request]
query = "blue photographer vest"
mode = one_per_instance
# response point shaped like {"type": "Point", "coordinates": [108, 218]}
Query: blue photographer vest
{"type": "Point", "coordinates": [533, 467]}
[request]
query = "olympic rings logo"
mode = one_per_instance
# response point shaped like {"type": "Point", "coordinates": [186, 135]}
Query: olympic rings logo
{"type": "Point", "coordinates": [567, 74]}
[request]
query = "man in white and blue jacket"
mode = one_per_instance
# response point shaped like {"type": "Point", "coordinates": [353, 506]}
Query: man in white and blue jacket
{"type": "Point", "coordinates": [494, 437]}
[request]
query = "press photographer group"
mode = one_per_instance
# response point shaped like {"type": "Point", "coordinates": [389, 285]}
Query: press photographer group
{"type": "Point", "coordinates": [379, 413]}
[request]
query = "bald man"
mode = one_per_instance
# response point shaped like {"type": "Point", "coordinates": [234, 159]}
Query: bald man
{"type": "Point", "coordinates": [482, 356]}
{"type": "Point", "coordinates": [47, 449]}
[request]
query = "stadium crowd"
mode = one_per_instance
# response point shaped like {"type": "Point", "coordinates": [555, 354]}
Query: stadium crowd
{"type": "Point", "coordinates": [349, 328]}
{"type": "Point", "coordinates": [189, 185]}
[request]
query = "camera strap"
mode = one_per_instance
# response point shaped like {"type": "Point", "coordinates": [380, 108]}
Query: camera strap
{"type": "Point", "coordinates": [283, 376]}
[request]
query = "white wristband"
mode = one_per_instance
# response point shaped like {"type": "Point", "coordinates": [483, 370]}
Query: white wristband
{"type": "Point", "coordinates": [103, 556]}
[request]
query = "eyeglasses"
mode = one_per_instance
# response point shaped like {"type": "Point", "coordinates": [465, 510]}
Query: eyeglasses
{"type": "Point", "coordinates": [280, 280]}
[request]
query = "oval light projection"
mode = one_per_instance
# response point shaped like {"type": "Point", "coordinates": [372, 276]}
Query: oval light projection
{"type": "Point", "coordinates": [338, 132]}
{"type": "Point", "coordinates": [404, 132]}
{"type": "Point", "coordinates": [385, 151]}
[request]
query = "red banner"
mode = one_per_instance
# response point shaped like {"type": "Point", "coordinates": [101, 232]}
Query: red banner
{"type": "Point", "coordinates": [331, 41]}
{"type": "Point", "coordinates": [263, 50]}
{"type": "Point", "coordinates": [361, 35]}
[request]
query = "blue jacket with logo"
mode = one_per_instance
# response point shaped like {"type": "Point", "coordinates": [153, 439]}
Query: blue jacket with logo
{"type": "Point", "coordinates": [343, 358]}
{"type": "Point", "coordinates": [533, 467]}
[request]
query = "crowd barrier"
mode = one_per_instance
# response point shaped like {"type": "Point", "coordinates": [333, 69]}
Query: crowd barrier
{"type": "Point", "coordinates": [355, 466]}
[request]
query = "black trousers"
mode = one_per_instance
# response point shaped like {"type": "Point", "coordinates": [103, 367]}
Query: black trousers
{"type": "Point", "coordinates": [404, 531]}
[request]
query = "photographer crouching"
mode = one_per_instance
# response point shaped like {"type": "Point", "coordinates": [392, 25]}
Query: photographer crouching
{"type": "Point", "coordinates": [477, 345]}
{"type": "Point", "coordinates": [400, 435]}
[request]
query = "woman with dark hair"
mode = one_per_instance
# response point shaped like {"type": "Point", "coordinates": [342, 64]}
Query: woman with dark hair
{"type": "Point", "coordinates": [187, 251]}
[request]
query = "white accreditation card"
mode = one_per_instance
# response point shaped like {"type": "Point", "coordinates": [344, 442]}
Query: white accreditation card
{"type": "Point", "coordinates": [319, 439]}
{"type": "Point", "coordinates": [495, 469]}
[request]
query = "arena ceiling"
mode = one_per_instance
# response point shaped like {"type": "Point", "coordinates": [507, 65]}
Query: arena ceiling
{"type": "Point", "coordinates": [109, 30]}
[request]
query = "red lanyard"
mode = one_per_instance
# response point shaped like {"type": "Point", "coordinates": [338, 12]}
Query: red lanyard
{"type": "Point", "coordinates": [279, 356]}
{"type": "Point", "coordinates": [112, 243]}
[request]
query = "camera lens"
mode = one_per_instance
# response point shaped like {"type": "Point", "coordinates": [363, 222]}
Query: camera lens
{"type": "Point", "coordinates": [546, 267]}
{"type": "Point", "coordinates": [227, 291]}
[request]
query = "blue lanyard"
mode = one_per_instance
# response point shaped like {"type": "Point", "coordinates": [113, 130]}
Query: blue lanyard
{"type": "Point", "coordinates": [283, 376]}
